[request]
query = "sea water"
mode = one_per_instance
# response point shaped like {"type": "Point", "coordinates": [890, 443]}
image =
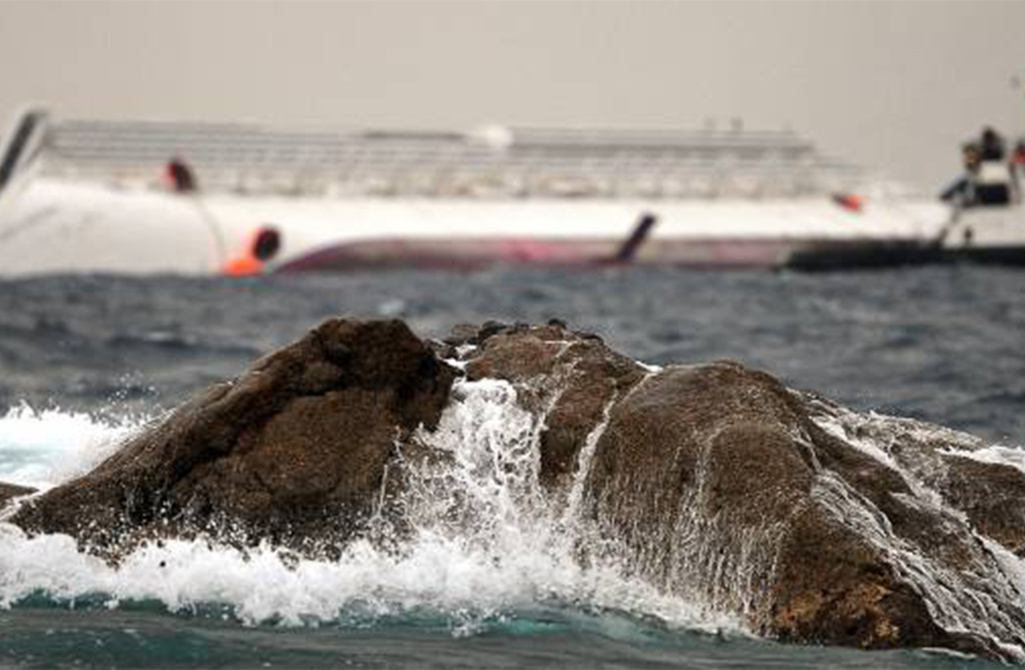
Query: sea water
{"type": "Point", "coordinates": [489, 577]}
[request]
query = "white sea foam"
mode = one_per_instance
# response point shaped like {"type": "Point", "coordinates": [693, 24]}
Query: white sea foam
{"type": "Point", "coordinates": [994, 454]}
{"type": "Point", "coordinates": [838, 428]}
{"type": "Point", "coordinates": [485, 542]}
{"type": "Point", "coordinates": [468, 585]}
{"type": "Point", "coordinates": [42, 448]}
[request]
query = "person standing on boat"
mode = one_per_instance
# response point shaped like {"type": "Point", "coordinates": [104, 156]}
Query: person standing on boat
{"type": "Point", "coordinates": [971, 156]}
{"type": "Point", "coordinates": [992, 145]}
{"type": "Point", "coordinates": [993, 180]}
{"type": "Point", "coordinates": [988, 178]}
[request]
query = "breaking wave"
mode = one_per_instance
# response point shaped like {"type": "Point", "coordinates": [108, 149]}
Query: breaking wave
{"type": "Point", "coordinates": [43, 448]}
{"type": "Point", "coordinates": [485, 545]}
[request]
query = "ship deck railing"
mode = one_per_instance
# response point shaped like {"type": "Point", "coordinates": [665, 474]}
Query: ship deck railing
{"type": "Point", "coordinates": [249, 159]}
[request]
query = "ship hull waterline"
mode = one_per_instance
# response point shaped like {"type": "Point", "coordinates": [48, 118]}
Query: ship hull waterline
{"type": "Point", "coordinates": [723, 254]}
{"type": "Point", "coordinates": [52, 227]}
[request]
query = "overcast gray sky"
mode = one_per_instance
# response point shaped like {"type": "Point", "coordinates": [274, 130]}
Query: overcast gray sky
{"type": "Point", "coordinates": [895, 86]}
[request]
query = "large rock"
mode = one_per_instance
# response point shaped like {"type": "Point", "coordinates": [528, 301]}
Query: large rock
{"type": "Point", "coordinates": [720, 484]}
{"type": "Point", "coordinates": [292, 451]}
{"type": "Point", "coordinates": [808, 521]}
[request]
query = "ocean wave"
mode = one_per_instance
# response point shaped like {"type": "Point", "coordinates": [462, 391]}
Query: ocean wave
{"type": "Point", "coordinates": [468, 588]}
{"type": "Point", "coordinates": [483, 547]}
{"type": "Point", "coordinates": [43, 448]}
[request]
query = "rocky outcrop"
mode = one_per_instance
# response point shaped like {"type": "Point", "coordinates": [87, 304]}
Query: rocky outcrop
{"type": "Point", "coordinates": [810, 522]}
{"type": "Point", "coordinates": [293, 451]}
{"type": "Point", "coordinates": [950, 463]}
{"type": "Point", "coordinates": [721, 486]}
{"type": "Point", "coordinates": [9, 492]}
{"type": "Point", "coordinates": [717, 482]}
{"type": "Point", "coordinates": [572, 378]}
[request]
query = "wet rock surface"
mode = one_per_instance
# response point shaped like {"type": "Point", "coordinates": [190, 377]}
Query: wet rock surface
{"type": "Point", "coordinates": [571, 377]}
{"type": "Point", "coordinates": [292, 451]}
{"type": "Point", "coordinates": [952, 464]}
{"type": "Point", "coordinates": [810, 522]}
{"type": "Point", "coordinates": [9, 492]}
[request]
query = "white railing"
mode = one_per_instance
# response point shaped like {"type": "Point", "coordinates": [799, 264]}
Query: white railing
{"type": "Point", "coordinates": [522, 162]}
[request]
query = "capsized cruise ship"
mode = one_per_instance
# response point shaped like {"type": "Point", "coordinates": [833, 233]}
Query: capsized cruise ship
{"type": "Point", "coordinates": [148, 197]}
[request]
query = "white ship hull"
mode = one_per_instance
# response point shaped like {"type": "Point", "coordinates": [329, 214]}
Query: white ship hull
{"type": "Point", "coordinates": [51, 226]}
{"type": "Point", "coordinates": [84, 197]}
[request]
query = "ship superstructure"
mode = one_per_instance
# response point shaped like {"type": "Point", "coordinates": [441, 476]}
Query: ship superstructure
{"type": "Point", "coordinates": [193, 198]}
{"type": "Point", "coordinates": [491, 163]}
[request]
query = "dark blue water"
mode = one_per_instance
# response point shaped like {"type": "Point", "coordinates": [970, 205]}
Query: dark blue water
{"type": "Point", "coordinates": [942, 344]}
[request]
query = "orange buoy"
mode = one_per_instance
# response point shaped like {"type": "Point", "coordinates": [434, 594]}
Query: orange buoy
{"type": "Point", "coordinates": [263, 245]}
{"type": "Point", "coordinates": [243, 266]}
{"type": "Point", "coordinates": [849, 201]}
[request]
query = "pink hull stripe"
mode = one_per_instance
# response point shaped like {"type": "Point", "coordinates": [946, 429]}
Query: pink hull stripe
{"type": "Point", "coordinates": [471, 253]}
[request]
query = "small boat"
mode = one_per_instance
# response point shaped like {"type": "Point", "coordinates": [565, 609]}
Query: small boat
{"type": "Point", "coordinates": [149, 197]}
